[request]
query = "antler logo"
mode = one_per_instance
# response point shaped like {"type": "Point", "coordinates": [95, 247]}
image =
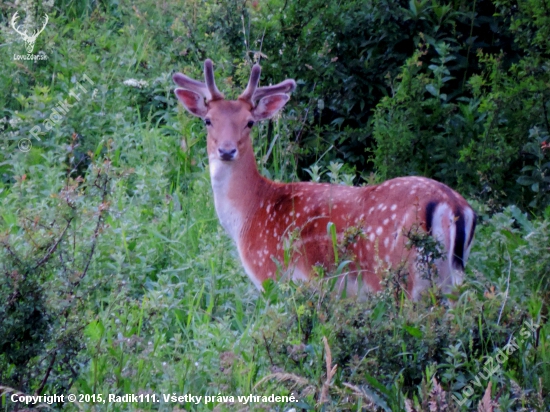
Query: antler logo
{"type": "Point", "coordinates": [29, 39]}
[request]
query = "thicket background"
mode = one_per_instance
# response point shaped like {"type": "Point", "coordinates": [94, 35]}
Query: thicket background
{"type": "Point", "coordinates": [115, 276]}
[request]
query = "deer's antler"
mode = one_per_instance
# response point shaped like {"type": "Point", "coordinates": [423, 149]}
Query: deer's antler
{"type": "Point", "coordinates": [46, 19]}
{"type": "Point", "coordinates": [252, 84]}
{"type": "Point", "coordinates": [210, 82]}
{"type": "Point", "coordinates": [208, 90]}
{"type": "Point", "coordinates": [13, 22]}
{"type": "Point", "coordinates": [25, 35]}
{"type": "Point", "coordinates": [253, 93]}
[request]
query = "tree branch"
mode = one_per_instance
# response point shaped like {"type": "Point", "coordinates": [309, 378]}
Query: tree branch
{"type": "Point", "coordinates": [47, 375]}
{"type": "Point", "coordinates": [52, 249]}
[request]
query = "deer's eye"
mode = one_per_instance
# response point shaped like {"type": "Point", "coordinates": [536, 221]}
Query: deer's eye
{"type": "Point", "coordinates": [250, 124]}
{"type": "Point", "coordinates": [207, 122]}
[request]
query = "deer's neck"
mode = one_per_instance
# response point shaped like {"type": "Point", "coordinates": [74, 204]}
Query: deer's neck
{"type": "Point", "coordinates": [238, 190]}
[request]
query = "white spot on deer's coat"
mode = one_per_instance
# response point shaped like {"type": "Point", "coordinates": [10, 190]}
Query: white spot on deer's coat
{"type": "Point", "coordinates": [379, 230]}
{"type": "Point", "coordinates": [393, 207]}
{"type": "Point", "coordinates": [386, 242]}
{"type": "Point", "coordinates": [371, 210]}
{"type": "Point", "coordinates": [371, 237]}
{"type": "Point", "coordinates": [380, 206]}
{"type": "Point", "coordinates": [386, 221]}
{"type": "Point", "coordinates": [393, 216]}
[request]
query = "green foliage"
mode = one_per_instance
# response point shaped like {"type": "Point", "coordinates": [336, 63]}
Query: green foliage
{"type": "Point", "coordinates": [484, 140]}
{"type": "Point", "coordinates": [518, 243]}
{"type": "Point", "coordinates": [342, 53]}
{"type": "Point", "coordinates": [407, 141]}
{"type": "Point", "coordinates": [388, 349]}
{"type": "Point", "coordinates": [537, 175]}
{"type": "Point", "coordinates": [46, 253]}
{"type": "Point", "coordinates": [530, 23]}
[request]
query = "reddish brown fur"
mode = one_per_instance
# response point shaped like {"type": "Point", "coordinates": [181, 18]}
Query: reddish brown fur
{"type": "Point", "coordinates": [264, 217]}
{"type": "Point", "coordinates": [309, 207]}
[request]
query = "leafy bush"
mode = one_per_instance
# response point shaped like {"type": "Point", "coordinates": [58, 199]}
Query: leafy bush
{"type": "Point", "coordinates": [484, 140]}
{"type": "Point", "coordinates": [343, 54]}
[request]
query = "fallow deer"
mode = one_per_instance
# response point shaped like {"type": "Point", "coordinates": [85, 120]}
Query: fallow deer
{"type": "Point", "coordinates": [259, 214]}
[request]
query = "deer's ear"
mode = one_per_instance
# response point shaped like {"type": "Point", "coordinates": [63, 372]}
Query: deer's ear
{"type": "Point", "coordinates": [269, 105]}
{"type": "Point", "coordinates": [193, 102]}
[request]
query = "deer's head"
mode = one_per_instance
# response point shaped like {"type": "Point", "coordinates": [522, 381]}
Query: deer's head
{"type": "Point", "coordinates": [228, 122]}
{"type": "Point", "coordinates": [29, 39]}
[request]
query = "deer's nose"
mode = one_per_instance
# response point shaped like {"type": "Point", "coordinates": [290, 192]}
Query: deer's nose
{"type": "Point", "coordinates": [227, 154]}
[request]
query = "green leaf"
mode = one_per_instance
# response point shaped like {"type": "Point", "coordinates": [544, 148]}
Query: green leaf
{"type": "Point", "coordinates": [528, 168]}
{"type": "Point", "coordinates": [338, 121]}
{"type": "Point", "coordinates": [521, 218]}
{"type": "Point", "coordinates": [342, 266]}
{"type": "Point", "coordinates": [94, 330]}
{"type": "Point", "coordinates": [376, 384]}
{"type": "Point", "coordinates": [525, 180]}
{"type": "Point", "coordinates": [514, 239]}
{"type": "Point", "coordinates": [432, 89]}
{"type": "Point", "coordinates": [377, 400]}
{"type": "Point", "coordinates": [415, 332]}
{"type": "Point", "coordinates": [10, 219]}
{"type": "Point", "coordinates": [331, 230]}
{"type": "Point", "coordinates": [378, 312]}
